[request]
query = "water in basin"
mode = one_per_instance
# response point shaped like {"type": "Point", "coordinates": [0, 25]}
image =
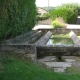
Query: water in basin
{"type": "Point", "coordinates": [61, 39]}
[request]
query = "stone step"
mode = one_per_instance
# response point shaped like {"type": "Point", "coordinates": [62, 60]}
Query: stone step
{"type": "Point", "coordinates": [47, 59]}
{"type": "Point", "coordinates": [57, 64]}
{"type": "Point", "coordinates": [50, 62]}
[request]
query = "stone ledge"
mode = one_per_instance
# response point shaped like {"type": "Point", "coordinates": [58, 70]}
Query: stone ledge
{"type": "Point", "coordinates": [24, 50]}
{"type": "Point", "coordinates": [24, 39]}
{"type": "Point", "coordinates": [43, 40]}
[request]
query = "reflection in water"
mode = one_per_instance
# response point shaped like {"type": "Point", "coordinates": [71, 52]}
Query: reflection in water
{"type": "Point", "coordinates": [60, 40]}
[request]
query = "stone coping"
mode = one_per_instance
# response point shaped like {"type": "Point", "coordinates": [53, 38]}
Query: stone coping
{"type": "Point", "coordinates": [43, 40]}
{"type": "Point", "coordinates": [24, 39]}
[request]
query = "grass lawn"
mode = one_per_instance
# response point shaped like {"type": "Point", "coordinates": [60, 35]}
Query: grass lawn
{"type": "Point", "coordinates": [16, 69]}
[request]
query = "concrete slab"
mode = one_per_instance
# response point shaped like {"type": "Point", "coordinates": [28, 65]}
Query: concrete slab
{"type": "Point", "coordinates": [42, 27]}
{"type": "Point", "coordinates": [57, 64]}
{"type": "Point", "coordinates": [74, 38]}
{"type": "Point", "coordinates": [47, 59]}
{"type": "Point", "coordinates": [68, 26]}
{"type": "Point", "coordinates": [70, 60]}
{"type": "Point", "coordinates": [59, 69]}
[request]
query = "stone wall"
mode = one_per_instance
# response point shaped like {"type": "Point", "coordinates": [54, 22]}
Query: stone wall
{"type": "Point", "coordinates": [61, 31]}
{"type": "Point", "coordinates": [58, 51]}
{"type": "Point", "coordinates": [25, 50]}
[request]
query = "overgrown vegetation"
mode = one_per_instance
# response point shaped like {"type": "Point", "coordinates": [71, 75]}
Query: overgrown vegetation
{"type": "Point", "coordinates": [16, 69]}
{"type": "Point", "coordinates": [16, 17]}
{"type": "Point", "coordinates": [68, 12]}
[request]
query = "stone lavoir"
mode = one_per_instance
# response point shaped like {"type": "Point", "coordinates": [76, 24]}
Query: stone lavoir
{"type": "Point", "coordinates": [39, 48]}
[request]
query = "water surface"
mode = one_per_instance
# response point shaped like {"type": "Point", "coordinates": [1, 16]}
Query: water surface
{"type": "Point", "coordinates": [61, 39]}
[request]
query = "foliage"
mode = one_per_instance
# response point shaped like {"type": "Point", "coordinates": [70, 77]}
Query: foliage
{"type": "Point", "coordinates": [68, 12]}
{"type": "Point", "coordinates": [16, 69]}
{"type": "Point", "coordinates": [57, 24]}
{"type": "Point", "coordinates": [72, 6]}
{"type": "Point", "coordinates": [68, 15]}
{"type": "Point", "coordinates": [16, 17]}
{"type": "Point", "coordinates": [43, 17]}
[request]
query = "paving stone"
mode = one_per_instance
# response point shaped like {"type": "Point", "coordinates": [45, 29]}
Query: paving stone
{"type": "Point", "coordinates": [47, 59]}
{"type": "Point", "coordinates": [59, 69]}
{"type": "Point", "coordinates": [69, 60]}
{"type": "Point", "coordinates": [57, 64]}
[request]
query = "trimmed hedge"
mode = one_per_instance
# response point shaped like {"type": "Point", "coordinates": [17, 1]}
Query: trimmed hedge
{"type": "Point", "coordinates": [16, 17]}
{"type": "Point", "coordinates": [68, 12]}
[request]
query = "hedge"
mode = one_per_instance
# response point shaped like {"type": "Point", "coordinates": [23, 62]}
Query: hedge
{"type": "Point", "coordinates": [16, 17]}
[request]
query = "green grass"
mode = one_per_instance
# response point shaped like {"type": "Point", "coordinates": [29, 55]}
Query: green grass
{"type": "Point", "coordinates": [16, 69]}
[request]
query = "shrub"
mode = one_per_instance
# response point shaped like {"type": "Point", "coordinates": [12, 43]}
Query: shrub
{"type": "Point", "coordinates": [16, 17]}
{"type": "Point", "coordinates": [57, 24]}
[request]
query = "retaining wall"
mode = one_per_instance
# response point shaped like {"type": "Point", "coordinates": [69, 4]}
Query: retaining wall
{"type": "Point", "coordinates": [61, 31]}
{"type": "Point", "coordinates": [32, 51]}
{"type": "Point", "coordinates": [28, 51]}
{"type": "Point", "coordinates": [58, 50]}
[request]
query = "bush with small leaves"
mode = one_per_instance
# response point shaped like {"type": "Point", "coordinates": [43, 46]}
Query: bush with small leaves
{"type": "Point", "coordinates": [57, 24]}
